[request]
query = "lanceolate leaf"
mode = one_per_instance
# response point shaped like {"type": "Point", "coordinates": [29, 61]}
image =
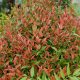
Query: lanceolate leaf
{"type": "Point", "coordinates": [38, 78]}
{"type": "Point", "coordinates": [32, 72]}
{"type": "Point", "coordinates": [73, 78]}
{"type": "Point", "coordinates": [44, 76]}
{"type": "Point", "coordinates": [49, 42]}
{"type": "Point", "coordinates": [68, 70]}
{"type": "Point", "coordinates": [77, 72]}
{"type": "Point", "coordinates": [62, 74]}
{"type": "Point", "coordinates": [56, 76]}
{"type": "Point", "coordinates": [54, 48]}
{"type": "Point", "coordinates": [24, 78]}
{"type": "Point", "coordinates": [41, 50]}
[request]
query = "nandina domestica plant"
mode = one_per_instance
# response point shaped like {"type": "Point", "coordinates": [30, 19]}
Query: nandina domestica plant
{"type": "Point", "coordinates": [38, 42]}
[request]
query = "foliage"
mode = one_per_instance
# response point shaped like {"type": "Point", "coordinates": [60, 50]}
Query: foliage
{"type": "Point", "coordinates": [76, 7]}
{"type": "Point", "coordinates": [40, 42]}
{"type": "Point", "coordinates": [68, 76]}
{"type": "Point", "coordinates": [63, 3]}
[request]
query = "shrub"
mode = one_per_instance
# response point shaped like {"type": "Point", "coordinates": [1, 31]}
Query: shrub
{"type": "Point", "coordinates": [38, 41]}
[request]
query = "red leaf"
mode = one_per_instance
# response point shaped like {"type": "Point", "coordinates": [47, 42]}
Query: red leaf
{"type": "Point", "coordinates": [64, 71]}
{"type": "Point", "coordinates": [40, 34]}
{"type": "Point", "coordinates": [48, 70]}
{"type": "Point", "coordinates": [19, 73]}
{"type": "Point", "coordinates": [52, 78]}
{"type": "Point", "coordinates": [38, 39]}
{"type": "Point", "coordinates": [73, 55]}
{"type": "Point", "coordinates": [9, 34]}
{"type": "Point", "coordinates": [15, 60]}
{"type": "Point", "coordinates": [44, 41]}
{"type": "Point", "coordinates": [61, 23]}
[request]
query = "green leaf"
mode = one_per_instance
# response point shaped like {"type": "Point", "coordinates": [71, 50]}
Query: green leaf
{"type": "Point", "coordinates": [24, 78]}
{"type": "Point", "coordinates": [77, 72]}
{"type": "Point", "coordinates": [31, 79]}
{"type": "Point", "coordinates": [74, 78]}
{"type": "Point", "coordinates": [13, 78]}
{"type": "Point", "coordinates": [56, 77]}
{"type": "Point", "coordinates": [62, 74]}
{"type": "Point", "coordinates": [41, 50]}
{"type": "Point", "coordinates": [79, 49]}
{"type": "Point", "coordinates": [32, 72]}
{"type": "Point", "coordinates": [74, 32]}
{"type": "Point", "coordinates": [24, 67]}
{"type": "Point", "coordinates": [49, 42]}
{"type": "Point", "coordinates": [76, 35]}
{"type": "Point", "coordinates": [36, 62]}
{"type": "Point", "coordinates": [54, 48]}
{"type": "Point", "coordinates": [68, 70]}
{"type": "Point", "coordinates": [38, 78]}
{"type": "Point", "coordinates": [44, 76]}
